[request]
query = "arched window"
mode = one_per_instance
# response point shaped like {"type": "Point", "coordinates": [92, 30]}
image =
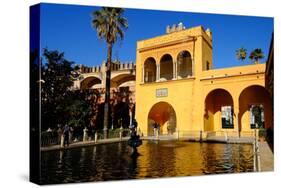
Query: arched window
{"type": "Point", "coordinates": [166, 67]}
{"type": "Point", "coordinates": [149, 70]}
{"type": "Point", "coordinates": [184, 64]}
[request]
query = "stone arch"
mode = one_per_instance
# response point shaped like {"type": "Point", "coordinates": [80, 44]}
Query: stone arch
{"type": "Point", "coordinates": [89, 82]}
{"type": "Point", "coordinates": [149, 70]}
{"type": "Point", "coordinates": [120, 79]}
{"type": "Point", "coordinates": [216, 101]}
{"type": "Point", "coordinates": [166, 67]}
{"type": "Point", "coordinates": [164, 114]}
{"type": "Point", "coordinates": [254, 95]}
{"type": "Point", "coordinates": [184, 64]}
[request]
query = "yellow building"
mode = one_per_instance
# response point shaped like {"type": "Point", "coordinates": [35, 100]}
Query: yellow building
{"type": "Point", "coordinates": [177, 87]}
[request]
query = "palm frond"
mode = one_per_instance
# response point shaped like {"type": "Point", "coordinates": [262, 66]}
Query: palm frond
{"type": "Point", "coordinates": [109, 23]}
{"type": "Point", "coordinates": [256, 55]}
{"type": "Point", "coordinates": [241, 54]}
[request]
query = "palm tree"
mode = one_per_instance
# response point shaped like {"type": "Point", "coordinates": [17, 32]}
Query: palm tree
{"type": "Point", "coordinates": [256, 55]}
{"type": "Point", "coordinates": [110, 25]}
{"type": "Point", "coordinates": [241, 54]}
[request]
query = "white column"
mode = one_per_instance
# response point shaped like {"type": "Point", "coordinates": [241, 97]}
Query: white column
{"type": "Point", "coordinates": [173, 71]}
{"type": "Point", "coordinates": [176, 70]}
{"type": "Point", "coordinates": [159, 75]}
{"type": "Point", "coordinates": [157, 72]}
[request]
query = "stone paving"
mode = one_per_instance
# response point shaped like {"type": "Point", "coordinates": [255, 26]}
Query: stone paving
{"type": "Point", "coordinates": [266, 157]}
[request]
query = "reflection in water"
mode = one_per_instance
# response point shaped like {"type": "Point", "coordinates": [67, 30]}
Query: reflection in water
{"type": "Point", "coordinates": [162, 159]}
{"type": "Point", "coordinates": [61, 157]}
{"type": "Point", "coordinates": [227, 158]}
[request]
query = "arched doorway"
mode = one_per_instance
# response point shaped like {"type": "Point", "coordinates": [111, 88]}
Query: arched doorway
{"type": "Point", "coordinates": [163, 114]}
{"type": "Point", "coordinates": [149, 70]}
{"type": "Point", "coordinates": [166, 67]}
{"type": "Point", "coordinates": [255, 106]}
{"type": "Point", "coordinates": [122, 97]}
{"type": "Point", "coordinates": [184, 64]}
{"type": "Point", "coordinates": [218, 111]}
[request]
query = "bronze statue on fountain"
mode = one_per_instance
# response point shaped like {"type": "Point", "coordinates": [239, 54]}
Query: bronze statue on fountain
{"type": "Point", "coordinates": [134, 140]}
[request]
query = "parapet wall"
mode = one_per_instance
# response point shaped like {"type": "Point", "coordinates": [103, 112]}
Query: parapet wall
{"type": "Point", "coordinates": [102, 68]}
{"type": "Point", "coordinates": [233, 71]}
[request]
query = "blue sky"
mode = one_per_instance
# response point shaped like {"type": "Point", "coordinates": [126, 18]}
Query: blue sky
{"type": "Point", "coordinates": [67, 28]}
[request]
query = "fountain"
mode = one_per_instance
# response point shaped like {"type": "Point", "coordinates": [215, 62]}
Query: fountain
{"type": "Point", "coordinates": [134, 140]}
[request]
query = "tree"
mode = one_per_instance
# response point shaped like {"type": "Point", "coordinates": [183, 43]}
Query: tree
{"type": "Point", "coordinates": [56, 75]}
{"type": "Point", "coordinates": [109, 24]}
{"type": "Point", "coordinates": [60, 102]}
{"type": "Point", "coordinates": [256, 55]}
{"type": "Point", "coordinates": [241, 54]}
{"type": "Point", "coordinates": [78, 107]}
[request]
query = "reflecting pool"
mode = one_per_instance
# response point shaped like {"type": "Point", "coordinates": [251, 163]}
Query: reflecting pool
{"type": "Point", "coordinates": [157, 159]}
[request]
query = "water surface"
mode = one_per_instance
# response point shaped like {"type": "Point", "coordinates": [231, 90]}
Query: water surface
{"type": "Point", "coordinates": [157, 159]}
